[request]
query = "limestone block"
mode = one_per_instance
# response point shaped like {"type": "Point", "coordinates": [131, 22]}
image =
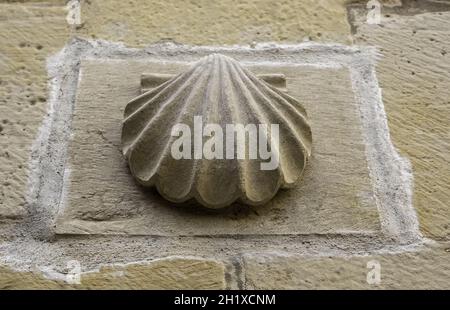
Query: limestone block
{"type": "Point", "coordinates": [28, 34]}
{"type": "Point", "coordinates": [167, 273]}
{"type": "Point", "coordinates": [13, 279]}
{"type": "Point", "coordinates": [101, 197]}
{"type": "Point", "coordinates": [176, 273]}
{"type": "Point", "coordinates": [414, 74]}
{"type": "Point", "coordinates": [425, 269]}
{"type": "Point", "coordinates": [208, 22]}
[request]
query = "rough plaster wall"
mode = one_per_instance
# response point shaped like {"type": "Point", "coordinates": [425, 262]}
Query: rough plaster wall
{"type": "Point", "coordinates": [33, 30]}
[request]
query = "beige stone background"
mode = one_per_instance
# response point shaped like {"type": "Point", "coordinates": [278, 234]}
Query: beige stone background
{"type": "Point", "coordinates": [414, 73]}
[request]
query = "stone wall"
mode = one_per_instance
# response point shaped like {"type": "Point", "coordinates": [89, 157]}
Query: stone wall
{"type": "Point", "coordinates": [41, 54]}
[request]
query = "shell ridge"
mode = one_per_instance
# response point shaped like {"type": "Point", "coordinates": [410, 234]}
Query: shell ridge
{"type": "Point", "coordinates": [291, 100]}
{"type": "Point", "coordinates": [132, 133]}
{"type": "Point", "coordinates": [165, 147]}
{"type": "Point", "coordinates": [209, 102]}
{"type": "Point", "coordinates": [157, 116]}
{"type": "Point", "coordinates": [286, 102]}
{"type": "Point", "coordinates": [298, 139]}
{"type": "Point", "coordinates": [191, 187]}
{"type": "Point", "coordinates": [297, 109]}
{"type": "Point", "coordinates": [137, 102]}
{"type": "Point", "coordinates": [239, 83]}
{"type": "Point", "coordinates": [241, 190]}
{"type": "Point", "coordinates": [234, 111]}
{"type": "Point", "coordinates": [183, 81]}
{"type": "Point", "coordinates": [283, 103]}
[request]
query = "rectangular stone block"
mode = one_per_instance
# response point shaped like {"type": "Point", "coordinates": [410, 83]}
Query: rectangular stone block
{"type": "Point", "coordinates": [416, 97]}
{"type": "Point", "coordinates": [336, 195]}
{"type": "Point", "coordinates": [29, 32]}
{"type": "Point", "coordinates": [425, 269]}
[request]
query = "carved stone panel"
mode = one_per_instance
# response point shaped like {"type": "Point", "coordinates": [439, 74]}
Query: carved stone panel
{"type": "Point", "coordinates": [101, 196]}
{"type": "Point", "coordinates": [216, 134]}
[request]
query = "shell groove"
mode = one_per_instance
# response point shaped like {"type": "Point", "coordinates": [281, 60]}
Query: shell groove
{"type": "Point", "coordinates": [220, 91]}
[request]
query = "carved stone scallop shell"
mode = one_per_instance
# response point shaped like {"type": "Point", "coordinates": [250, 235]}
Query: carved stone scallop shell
{"type": "Point", "coordinates": [220, 91]}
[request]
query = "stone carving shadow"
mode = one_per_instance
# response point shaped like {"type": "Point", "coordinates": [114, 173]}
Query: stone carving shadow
{"type": "Point", "coordinates": [237, 210]}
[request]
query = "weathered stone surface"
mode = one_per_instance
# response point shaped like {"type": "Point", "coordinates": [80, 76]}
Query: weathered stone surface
{"type": "Point", "coordinates": [217, 91]}
{"type": "Point", "coordinates": [28, 34]}
{"type": "Point", "coordinates": [414, 74]}
{"type": "Point", "coordinates": [335, 196]}
{"type": "Point", "coordinates": [14, 280]}
{"type": "Point", "coordinates": [169, 273]}
{"type": "Point", "coordinates": [426, 269]}
{"type": "Point", "coordinates": [36, 29]}
{"type": "Point", "coordinates": [215, 22]}
{"type": "Point", "coordinates": [415, 104]}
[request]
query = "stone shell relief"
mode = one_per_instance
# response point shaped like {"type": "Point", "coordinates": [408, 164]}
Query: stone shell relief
{"type": "Point", "coordinates": [217, 90]}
